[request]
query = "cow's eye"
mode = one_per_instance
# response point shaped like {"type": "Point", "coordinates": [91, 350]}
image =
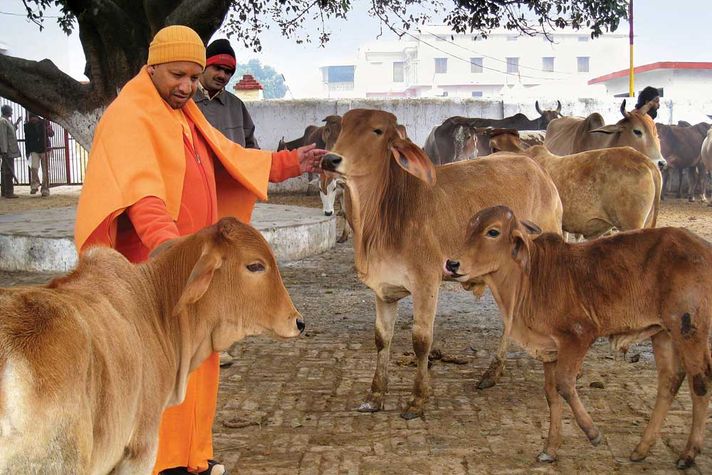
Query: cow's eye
{"type": "Point", "coordinates": [493, 233]}
{"type": "Point", "coordinates": [638, 133]}
{"type": "Point", "coordinates": [256, 267]}
{"type": "Point", "coordinates": [378, 131]}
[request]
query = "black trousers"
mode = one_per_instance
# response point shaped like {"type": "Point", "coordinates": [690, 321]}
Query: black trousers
{"type": "Point", "coordinates": [6, 173]}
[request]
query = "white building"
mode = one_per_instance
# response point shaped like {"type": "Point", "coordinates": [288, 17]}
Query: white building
{"type": "Point", "coordinates": [438, 62]}
{"type": "Point", "coordinates": [674, 80]}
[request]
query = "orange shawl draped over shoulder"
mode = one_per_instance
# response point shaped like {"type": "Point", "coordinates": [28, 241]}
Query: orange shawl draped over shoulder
{"type": "Point", "coordinates": [138, 151]}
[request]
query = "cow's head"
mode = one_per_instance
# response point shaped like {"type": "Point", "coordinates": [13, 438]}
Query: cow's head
{"type": "Point", "coordinates": [495, 239]}
{"type": "Point", "coordinates": [505, 140]}
{"type": "Point", "coordinates": [547, 116]}
{"type": "Point", "coordinates": [235, 283]}
{"type": "Point", "coordinates": [331, 130]}
{"type": "Point", "coordinates": [369, 142]}
{"type": "Point", "coordinates": [636, 129]}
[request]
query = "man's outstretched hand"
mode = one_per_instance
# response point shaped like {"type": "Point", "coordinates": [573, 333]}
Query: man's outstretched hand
{"type": "Point", "coordinates": [310, 158]}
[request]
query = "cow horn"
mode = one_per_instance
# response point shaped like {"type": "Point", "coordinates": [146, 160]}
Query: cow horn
{"type": "Point", "coordinates": [558, 107]}
{"type": "Point", "coordinates": [536, 104]}
{"type": "Point", "coordinates": [625, 113]}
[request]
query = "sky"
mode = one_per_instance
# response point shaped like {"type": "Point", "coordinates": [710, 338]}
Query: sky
{"type": "Point", "coordinates": [665, 31]}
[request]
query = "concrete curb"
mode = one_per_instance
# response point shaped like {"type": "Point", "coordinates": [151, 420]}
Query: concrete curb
{"type": "Point", "coordinates": [42, 240]}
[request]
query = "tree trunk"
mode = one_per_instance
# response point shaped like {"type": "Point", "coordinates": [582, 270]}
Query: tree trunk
{"type": "Point", "coordinates": [115, 36]}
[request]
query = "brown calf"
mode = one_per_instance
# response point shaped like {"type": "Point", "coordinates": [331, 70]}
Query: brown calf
{"type": "Point", "coordinates": [560, 297]}
{"type": "Point", "coordinates": [89, 363]}
{"type": "Point", "coordinates": [405, 223]}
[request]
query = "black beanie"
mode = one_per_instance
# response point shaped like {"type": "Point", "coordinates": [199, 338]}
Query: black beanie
{"type": "Point", "coordinates": [646, 95]}
{"type": "Point", "coordinates": [221, 46]}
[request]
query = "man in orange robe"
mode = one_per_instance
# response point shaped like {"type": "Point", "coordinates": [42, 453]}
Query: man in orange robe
{"type": "Point", "coordinates": [158, 170]}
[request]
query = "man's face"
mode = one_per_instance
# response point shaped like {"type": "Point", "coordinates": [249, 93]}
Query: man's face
{"type": "Point", "coordinates": [176, 82]}
{"type": "Point", "coordinates": [656, 102]}
{"type": "Point", "coordinates": [216, 77]}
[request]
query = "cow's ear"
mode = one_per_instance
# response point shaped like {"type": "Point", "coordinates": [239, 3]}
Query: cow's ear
{"type": "Point", "coordinates": [164, 246]}
{"type": "Point", "coordinates": [530, 228]}
{"type": "Point", "coordinates": [200, 277]}
{"type": "Point", "coordinates": [412, 159]}
{"type": "Point", "coordinates": [520, 249]}
{"type": "Point", "coordinates": [607, 129]}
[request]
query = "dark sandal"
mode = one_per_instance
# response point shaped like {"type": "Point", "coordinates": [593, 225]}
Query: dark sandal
{"type": "Point", "coordinates": [214, 468]}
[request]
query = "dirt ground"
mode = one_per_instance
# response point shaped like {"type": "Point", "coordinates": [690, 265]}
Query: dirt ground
{"type": "Point", "coordinates": [289, 406]}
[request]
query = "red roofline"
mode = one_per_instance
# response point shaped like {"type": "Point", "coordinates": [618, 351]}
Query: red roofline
{"type": "Point", "coordinates": [652, 67]}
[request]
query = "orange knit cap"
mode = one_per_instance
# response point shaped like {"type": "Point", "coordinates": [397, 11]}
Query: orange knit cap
{"type": "Point", "coordinates": [176, 43]}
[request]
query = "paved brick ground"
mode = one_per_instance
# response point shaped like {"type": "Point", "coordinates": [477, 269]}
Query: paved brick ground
{"type": "Point", "coordinates": [288, 406]}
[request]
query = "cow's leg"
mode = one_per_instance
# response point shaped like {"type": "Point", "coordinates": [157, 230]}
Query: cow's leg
{"type": "Point", "coordinates": [679, 183]}
{"type": "Point", "coordinates": [692, 184]}
{"type": "Point", "coordinates": [666, 175]}
{"type": "Point", "coordinates": [571, 355]}
{"type": "Point", "coordinates": [692, 340]}
{"type": "Point", "coordinates": [553, 441]}
{"type": "Point", "coordinates": [133, 462]}
{"type": "Point", "coordinates": [496, 368]}
{"type": "Point", "coordinates": [386, 314]}
{"type": "Point", "coordinates": [425, 302]}
{"type": "Point", "coordinates": [700, 391]}
{"type": "Point", "coordinates": [670, 377]}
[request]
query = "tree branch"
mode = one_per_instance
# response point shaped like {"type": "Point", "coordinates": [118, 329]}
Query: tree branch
{"type": "Point", "coordinates": [42, 87]}
{"type": "Point", "coordinates": [204, 16]}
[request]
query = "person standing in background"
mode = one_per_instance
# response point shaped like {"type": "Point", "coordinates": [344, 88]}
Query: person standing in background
{"type": "Point", "coordinates": [37, 145]}
{"type": "Point", "coordinates": [224, 110]}
{"type": "Point", "coordinates": [9, 151]}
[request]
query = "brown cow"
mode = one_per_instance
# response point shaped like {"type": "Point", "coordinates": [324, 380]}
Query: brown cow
{"type": "Point", "coordinates": [404, 224]}
{"type": "Point", "coordinates": [575, 134]}
{"type": "Point", "coordinates": [681, 148]}
{"type": "Point", "coordinates": [560, 297]}
{"type": "Point", "coordinates": [89, 363]}
{"type": "Point", "coordinates": [615, 187]}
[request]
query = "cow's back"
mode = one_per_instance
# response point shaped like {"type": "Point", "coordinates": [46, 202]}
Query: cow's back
{"type": "Point", "coordinates": [70, 375]}
{"type": "Point", "coordinates": [561, 133]}
{"type": "Point", "coordinates": [510, 179]}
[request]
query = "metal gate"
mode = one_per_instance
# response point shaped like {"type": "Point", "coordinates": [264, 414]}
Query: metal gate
{"type": "Point", "coordinates": [67, 159]}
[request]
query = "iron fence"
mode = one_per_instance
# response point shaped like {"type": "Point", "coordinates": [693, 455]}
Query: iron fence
{"type": "Point", "coordinates": [67, 159]}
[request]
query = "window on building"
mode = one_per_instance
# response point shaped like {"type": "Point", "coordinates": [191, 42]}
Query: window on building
{"type": "Point", "coordinates": [398, 71]}
{"type": "Point", "coordinates": [511, 37]}
{"type": "Point", "coordinates": [340, 74]}
{"type": "Point", "coordinates": [582, 63]}
{"type": "Point", "coordinates": [476, 93]}
{"type": "Point", "coordinates": [583, 38]}
{"type": "Point", "coordinates": [547, 64]}
{"type": "Point", "coordinates": [475, 65]}
{"type": "Point", "coordinates": [440, 65]}
{"type": "Point", "coordinates": [512, 65]}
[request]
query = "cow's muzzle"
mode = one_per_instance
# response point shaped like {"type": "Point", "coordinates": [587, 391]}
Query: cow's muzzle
{"type": "Point", "coordinates": [301, 325]}
{"type": "Point", "coordinates": [331, 161]}
{"type": "Point", "coordinates": [451, 268]}
{"type": "Point", "coordinates": [662, 164]}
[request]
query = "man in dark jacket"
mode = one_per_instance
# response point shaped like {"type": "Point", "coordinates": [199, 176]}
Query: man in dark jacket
{"type": "Point", "coordinates": [225, 111]}
{"type": "Point", "coordinates": [37, 134]}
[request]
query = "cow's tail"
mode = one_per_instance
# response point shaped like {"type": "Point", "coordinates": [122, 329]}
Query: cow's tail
{"type": "Point", "coordinates": [658, 180]}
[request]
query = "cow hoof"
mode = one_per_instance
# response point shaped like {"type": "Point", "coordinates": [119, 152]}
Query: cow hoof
{"type": "Point", "coordinates": [545, 458]}
{"type": "Point", "coordinates": [684, 463]}
{"type": "Point", "coordinates": [597, 440]}
{"type": "Point", "coordinates": [637, 456]}
{"type": "Point", "coordinates": [370, 406]}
